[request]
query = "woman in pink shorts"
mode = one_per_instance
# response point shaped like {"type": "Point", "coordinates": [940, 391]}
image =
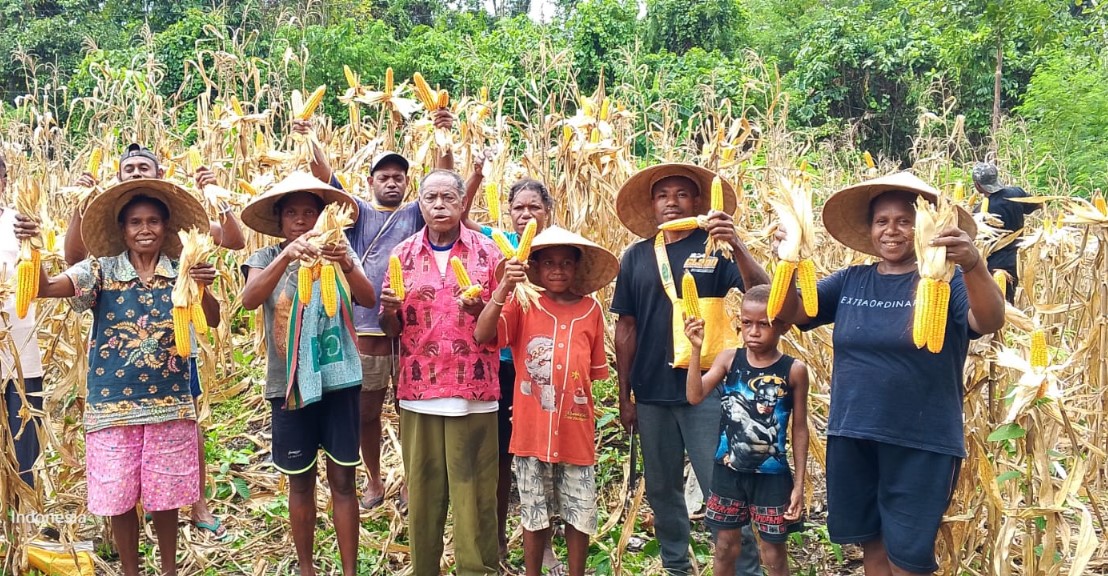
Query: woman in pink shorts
{"type": "Point", "coordinates": [140, 429]}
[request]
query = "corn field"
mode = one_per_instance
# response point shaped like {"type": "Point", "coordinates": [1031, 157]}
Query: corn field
{"type": "Point", "coordinates": [1031, 497]}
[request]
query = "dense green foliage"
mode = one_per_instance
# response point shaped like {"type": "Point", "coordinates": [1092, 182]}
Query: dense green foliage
{"type": "Point", "coordinates": [866, 69]}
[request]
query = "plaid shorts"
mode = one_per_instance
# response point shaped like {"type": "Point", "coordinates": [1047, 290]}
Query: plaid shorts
{"type": "Point", "coordinates": [547, 490]}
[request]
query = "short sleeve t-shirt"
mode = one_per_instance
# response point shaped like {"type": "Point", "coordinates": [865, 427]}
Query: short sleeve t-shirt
{"type": "Point", "coordinates": [372, 237]}
{"type": "Point", "coordinates": [639, 294]}
{"type": "Point", "coordinates": [275, 317]}
{"type": "Point", "coordinates": [22, 330]}
{"type": "Point", "coordinates": [755, 407]}
{"type": "Point", "coordinates": [883, 388]}
{"type": "Point", "coordinates": [559, 353]}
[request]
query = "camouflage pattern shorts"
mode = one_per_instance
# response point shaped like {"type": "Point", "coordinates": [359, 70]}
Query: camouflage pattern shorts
{"type": "Point", "coordinates": [547, 490]}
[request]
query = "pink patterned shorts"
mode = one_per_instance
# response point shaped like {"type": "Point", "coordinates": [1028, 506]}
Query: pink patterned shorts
{"type": "Point", "coordinates": [156, 462]}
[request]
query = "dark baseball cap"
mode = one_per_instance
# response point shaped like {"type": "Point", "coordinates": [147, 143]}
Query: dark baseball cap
{"type": "Point", "coordinates": [136, 149]}
{"type": "Point", "coordinates": [385, 158]}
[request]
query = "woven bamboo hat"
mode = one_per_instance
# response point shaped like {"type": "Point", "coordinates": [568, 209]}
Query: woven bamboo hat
{"type": "Point", "coordinates": [596, 268]}
{"type": "Point", "coordinates": [846, 213]}
{"type": "Point", "coordinates": [261, 214]}
{"type": "Point", "coordinates": [100, 225]}
{"type": "Point", "coordinates": [634, 205]}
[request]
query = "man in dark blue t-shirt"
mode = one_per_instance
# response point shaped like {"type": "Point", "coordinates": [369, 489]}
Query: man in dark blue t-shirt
{"type": "Point", "coordinates": [1011, 216]}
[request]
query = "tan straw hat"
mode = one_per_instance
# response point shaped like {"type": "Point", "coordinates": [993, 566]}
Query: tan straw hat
{"type": "Point", "coordinates": [634, 204]}
{"type": "Point", "coordinates": [846, 213]}
{"type": "Point", "coordinates": [260, 214]}
{"type": "Point", "coordinates": [100, 224]}
{"type": "Point", "coordinates": [596, 269]}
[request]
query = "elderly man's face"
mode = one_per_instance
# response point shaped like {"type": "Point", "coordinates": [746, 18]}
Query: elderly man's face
{"type": "Point", "coordinates": [441, 202]}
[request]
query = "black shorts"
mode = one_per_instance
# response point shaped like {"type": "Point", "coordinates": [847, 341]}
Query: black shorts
{"type": "Point", "coordinates": [896, 493]}
{"type": "Point", "coordinates": [741, 498]}
{"type": "Point", "coordinates": [331, 424]}
{"type": "Point", "coordinates": [504, 412]}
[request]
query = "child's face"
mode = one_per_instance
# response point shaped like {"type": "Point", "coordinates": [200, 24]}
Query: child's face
{"type": "Point", "coordinates": [759, 334]}
{"type": "Point", "coordinates": [298, 214]}
{"type": "Point", "coordinates": [556, 267]}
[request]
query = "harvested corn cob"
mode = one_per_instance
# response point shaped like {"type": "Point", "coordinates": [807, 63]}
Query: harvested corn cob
{"type": "Point", "coordinates": [933, 291]}
{"type": "Point", "coordinates": [689, 296]}
{"type": "Point", "coordinates": [328, 289]}
{"type": "Point", "coordinates": [713, 244]}
{"type": "Point", "coordinates": [680, 224]}
{"type": "Point", "coordinates": [1001, 279]}
{"type": "Point", "coordinates": [460, 273]}
{"type": "Point", "coordinates": [28, 201]}
{"type": "Point", "coordinates": [492, 200]}
{"type": "Point", "coordinates": [1039, 357]}
{"type": "Point", "coordinates": [793, 205]}
{"type": "Point", "coordinates": [523, 252]}
{"type": "Point", "coordinates": [396, 277]}
{"type": "Point", "coordinates": [502, 242]}
{"type": "Point", "coordinates": [311, 103]}
{"type": "Point", "coordinates": [94, 161]}
{"type": "Point", "coordinates": [187, 294]}
{"type": "Point", "coordinates": [1100, 205]}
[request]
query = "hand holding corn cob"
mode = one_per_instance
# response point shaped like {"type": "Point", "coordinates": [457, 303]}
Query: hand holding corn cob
{"type": "Point", "coordinates": [193, 275]}
{"type": "Point", "coordinates": [793, 205]}
{"type": "Point", "coordinates": [935, 271]}
{"type": "Point", "coordinates": [29, 204]}
{"type": "Point", "coordinates": [328, 231]}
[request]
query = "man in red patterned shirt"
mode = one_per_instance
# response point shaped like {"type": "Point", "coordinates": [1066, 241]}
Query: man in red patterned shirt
{"type": "Point", "coordinates": [447, 385]}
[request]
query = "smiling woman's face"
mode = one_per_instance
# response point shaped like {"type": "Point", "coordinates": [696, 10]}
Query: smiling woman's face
{"type": "Point", "coordinates": [143, 225]}
{"type": "Point", "coordinates": [893, 226]}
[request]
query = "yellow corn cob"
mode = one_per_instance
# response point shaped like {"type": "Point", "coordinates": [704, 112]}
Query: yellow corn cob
{"type": "Point", "coordinates": [919, 313]}
{"type": "Point", "coordinates": [236, 106]}
{"type": "Point", "coordinates": [502, 242]}
{"type": "Point", "coordinates": [717, 194]}
{"type": "Point", "coordinates": [115, 166]}
{"type": "Point", "coordinates": [423, 91]}
{"type": "Point", "coordinates": [396, 277]}
{"type": "Point", "coordinates": [782, 276]}
{"type": "Point", "coordinates": [460, 273]}
{"type": "Point", "coordinates": [25, 275]}
{"type": "Point", "coordinates": [170, 170]}
{"type": "Point", "coordinates": [304, 283]}
{"type": "Point", "coordinates": [492, 200]}
{"type": "Point", "coordinates": [388, 80]}
{"type": "Point", "coordinates": [567, 134]}
{"type": "Point", "coordinates": [312, 103]}
{"type": "Point", "coordinates": [484, 92]}
{"type": "Point", "coordinates": [444, 99]}
{"type": "Point", "coordinates": [689, 296]}
{"type": "Point", "coordinates": [806, 281]}
{"type": "Point", "coordinates": [1038, 348]}
{"type": "Point", "coordinates": [351, 79]}
{"type": "Point", "coordinates": [868, 158]}
{"type": "Point", "coordinates": [984, 204]}
{"type": "Point", "coordinates": [605, 105]}
{"type": "Point", "coordinates": [94, 161]}
{"type": "Point", "coordinates": [199, 320]}
{"type": "Point", "coordinates": [940, 299]}
{"type": "Point", "coordinates": [181, 318]}
{"type": "Point", "coordinates": [959, 192]}
{"type": "Point", "coordinates": [473, 291]}
{"type": "Point", "coordinates": [586, 106]}
{"type": "Point", "coordinates": [194, 160]}
{"type": "Point", "coordinates": [1001, 279]}
{"type": "Point", "coordinates": [1100, 204]}
{"type": "Point", "coordinates": [259, 140]}
{"type": "Point", "coordinates": [523, 252]}
{"type": "Point", "coordinates": [328, 289]}
{"type": "Point", "coordinates": [50, 239]}
{"type": "Point", "coordinates": [803, 165]}
{"type": "Point", "coordinates": [247, 187]}
{"type": "Point", "coordinates": [594, 136]}
{"type": "Point", "coordinates": [679, 224]}
{"type": "Point", "coordinates": [343, 179]}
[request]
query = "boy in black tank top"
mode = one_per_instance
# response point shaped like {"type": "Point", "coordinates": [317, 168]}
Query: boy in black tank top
{"type": "Point", "coordinates": [761, 389]}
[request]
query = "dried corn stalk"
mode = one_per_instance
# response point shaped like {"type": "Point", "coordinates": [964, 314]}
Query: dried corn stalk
{"type": "Point", "coordinates": [793, 204]}
{"type": "Point", "coordinates": [196, 248]}
{"type": "Point", "coordinates": [933, 292]}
